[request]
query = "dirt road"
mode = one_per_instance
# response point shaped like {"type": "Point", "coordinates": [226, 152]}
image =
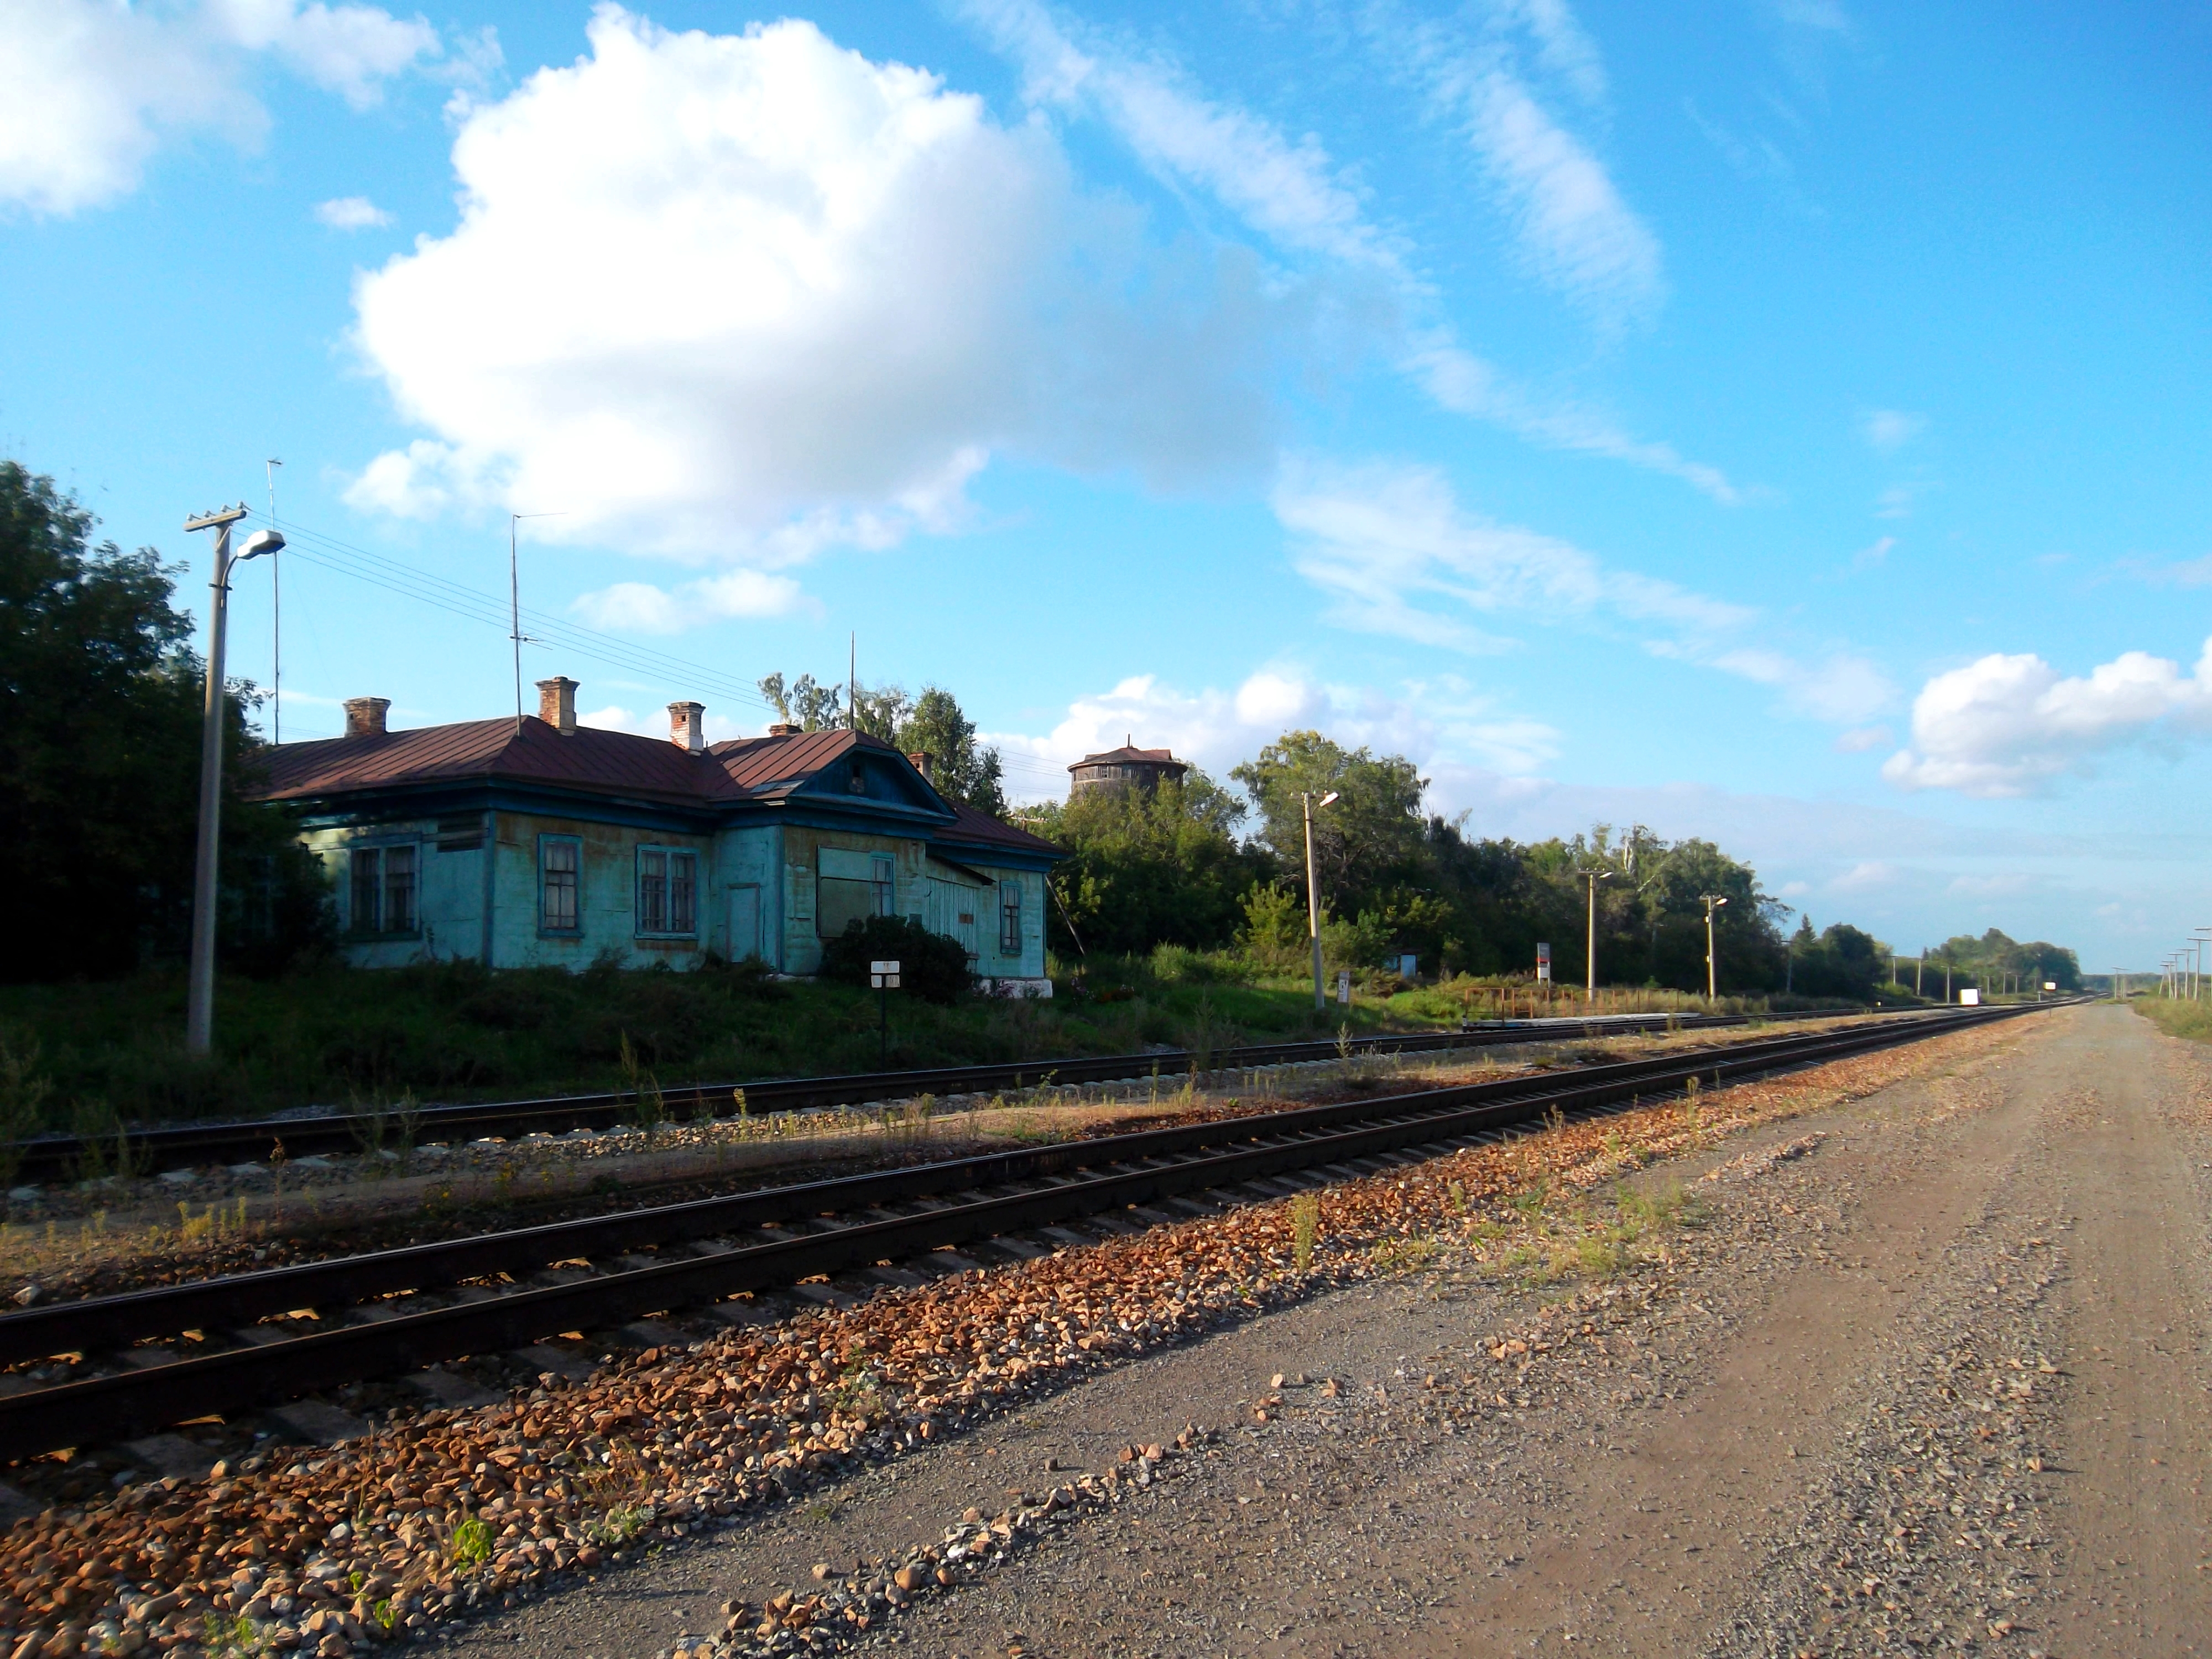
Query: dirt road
{"type": "Point", "coordinates": [1926, 1372]}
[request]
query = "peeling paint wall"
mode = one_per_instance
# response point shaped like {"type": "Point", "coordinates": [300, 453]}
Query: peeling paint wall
{"type": "Point", "coordinates": [756, 891]}
{"type": "Point", "coordinates": [801, 860]}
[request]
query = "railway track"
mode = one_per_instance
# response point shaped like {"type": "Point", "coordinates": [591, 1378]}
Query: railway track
{"type": "Point", "coordinates": [194, 1145]}
{"type": "Point", "coordinates": [393, 1311]}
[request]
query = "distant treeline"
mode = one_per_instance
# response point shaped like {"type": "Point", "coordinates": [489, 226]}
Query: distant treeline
{"type": "Point", "coordinates": [1194, 865]}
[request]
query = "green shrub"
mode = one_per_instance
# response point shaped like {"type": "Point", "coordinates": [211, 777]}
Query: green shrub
{"type": "Point", "coordinates": [932, 966]}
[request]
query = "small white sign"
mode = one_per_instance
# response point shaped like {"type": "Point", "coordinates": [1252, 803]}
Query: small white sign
{"type": "Point", "coordinates": [1969, 998]}
{"type": "Point", "coordinates": [883, 981]}
{"type": "Point", "coordinates": [1409, 966]}
{"type": "Point", "coordinates": [883, 966]}
{"type": "Point", "coordinates": [1344, 987]}
{"type": "Point", "coordinates": [2050, 985]}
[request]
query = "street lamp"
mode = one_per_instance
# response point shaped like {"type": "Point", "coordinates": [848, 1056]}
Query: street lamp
{"type": "Point", "coordinates": [1713, 901]}
{"type": "Point", "coordinates": [1590, 952]}
{"type": "Point", "coordinates": [200, 997]}
{"type": "Point", "coordinates": [1312, 891]}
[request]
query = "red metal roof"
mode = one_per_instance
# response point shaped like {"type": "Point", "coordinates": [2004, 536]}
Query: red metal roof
{"type": "Point", "coordinates": [981, 828]}
{"type": "Point", "coordinates": [528, 750]}
{"type": "Point", "coordinates": [519, 750]}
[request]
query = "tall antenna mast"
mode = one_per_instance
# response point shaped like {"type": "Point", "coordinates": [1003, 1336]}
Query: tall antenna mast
{"type": "Point", "coordinates": [276, 614]}
{"type": "Point", "coordinates": [853, 683]}
{"type": "Point", "coordinates": [514, 603]}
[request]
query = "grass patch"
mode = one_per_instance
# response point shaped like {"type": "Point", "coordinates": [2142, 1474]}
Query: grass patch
{"type": "Point", "coordinates": [98, 1055]}
{"type": "Point", "coordinates": [2192, 1020]}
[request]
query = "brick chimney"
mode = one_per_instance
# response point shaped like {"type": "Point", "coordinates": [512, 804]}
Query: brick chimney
{"type": "Point", "coordinates": [365, 716]}
{"type": "Point", "coordinates": [557, 704]}
{"type": "Point", "coordinates": [921, 764]}
{"type": "Point", "coordinates": [687, 727]}
{"type": "Point", "coordinates": [783, 729]}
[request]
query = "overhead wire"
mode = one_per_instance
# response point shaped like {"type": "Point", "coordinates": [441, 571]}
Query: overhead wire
{"type": "Point", "coordinates": [320, 548]}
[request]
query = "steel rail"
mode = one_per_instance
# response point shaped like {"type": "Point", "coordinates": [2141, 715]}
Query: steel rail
{"type": "Point", "coordinates": [184, 1146]}
{"type": "Point", "coordinates": [1142, 1168]}
{"type": "Point", "coordinates": [100, 1323]}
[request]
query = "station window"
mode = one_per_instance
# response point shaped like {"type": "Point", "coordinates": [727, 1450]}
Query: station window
{"type": "Point", "coordinates": [667, 891]}
{"type": "Point", "coordinates": [559, 879]}
{"type": "Point", "coordinates": [384, 888]}
{"type": "Point", "coordinates": [1010, 918]}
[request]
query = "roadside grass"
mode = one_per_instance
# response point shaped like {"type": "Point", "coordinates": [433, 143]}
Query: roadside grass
{"type": "Point", "coordinates": [2192, 1020]}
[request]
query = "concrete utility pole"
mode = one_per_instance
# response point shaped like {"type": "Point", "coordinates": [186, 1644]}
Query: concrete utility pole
{"type": "Point", "coordinates": [1313, 892]}
{"type": "Point", "coordinates": [1589, 957]}
{"type": "Point", "coordinates": [1713, 901]}
{"type": "Point", "coordinates": [199, 995]}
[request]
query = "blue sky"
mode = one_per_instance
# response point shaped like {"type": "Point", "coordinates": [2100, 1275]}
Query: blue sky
{"type": "Point", "coordinates": [1785, 422]}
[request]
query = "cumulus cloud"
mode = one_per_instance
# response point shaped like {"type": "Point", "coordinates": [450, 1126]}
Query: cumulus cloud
{"type": "Point", "coordinates": [1860, 738]}
{"type": "Point", "coordinates": [1443, 719]}
{"type": "Point", "coordinates": [2012, 725]}
{"type": "Point", "coordinates": [351, 213]}
{"type": "Point", "coordinates": [742, 295]}
{"type": "Point", "coordinates": [95, 90]}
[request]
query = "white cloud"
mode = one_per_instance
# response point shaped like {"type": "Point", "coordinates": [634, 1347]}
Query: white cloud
{"type": "Point", "coordinates": [351, 50]}
{"type": "Point", "coordinates": [1896, 501]}
{"type": "Point", "coordinates": [1859, 739]}
{"type": "Point", "coordinates": [94, 90]}
{"type": "Point", "coordinates": [1286, 190]}
{"type": "Point", "coordinates": [1290, 192]}
{"type": "Point", "coordinates": [742, 295]}
{"type": "Point", "coordinates": [655, 723]}
{"type": "Point", "coordinates": [1868, 875]}
{"type": "Point", "coordinates": [1577, 232]}
{"type": "Point", "coordinates": [1387, 540]}
{"type": "Point", "coordinates": [1398, 555]}
{"type": "Point", "coordinates": [351, 213]}
{"type": "Point", "coordinates": [1890, 429]}
{"type": "Point", "coordinates": [1463, 383]}
{"type": "Point", "coordinates": [2012, 725]}
{"type": "Point", "coordinates": [1444, 719]}
{"type": "Point", "coordinates": [641, 607]}
{"type": "Point", "coordinates": [1840, 686]}
{"type": "Point", "coordinates": [1874, 552]}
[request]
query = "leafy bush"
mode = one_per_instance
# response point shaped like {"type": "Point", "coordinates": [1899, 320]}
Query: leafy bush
{"type": "Point", "coordinates": [932, 966]}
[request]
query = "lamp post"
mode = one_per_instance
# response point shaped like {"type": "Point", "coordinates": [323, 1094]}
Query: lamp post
{"type": "Point", "coordinates": [199, 996]}
{"type": "Point", "coordinates": [1312, 891]}
{"type": "Point", "coordinates": [1590, 952]}
{"type": "Point", "coordinates": [1713, 901]}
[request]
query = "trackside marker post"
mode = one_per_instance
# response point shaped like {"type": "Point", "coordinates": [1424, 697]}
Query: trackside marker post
{"type": "Point", "coordinates": [884, 977]}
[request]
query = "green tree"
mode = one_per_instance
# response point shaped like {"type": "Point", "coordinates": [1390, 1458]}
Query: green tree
{"type": "Point", "coordinates": [1366, 843]}
{"type": "Point", "coordinates": [1152, 866]}
{"type": "Point", "coordinates": [803, 703]}
{"type": "Point", "coordinates": [100, 734]}
{"type": "Point", "coordinates": [962, 768]}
